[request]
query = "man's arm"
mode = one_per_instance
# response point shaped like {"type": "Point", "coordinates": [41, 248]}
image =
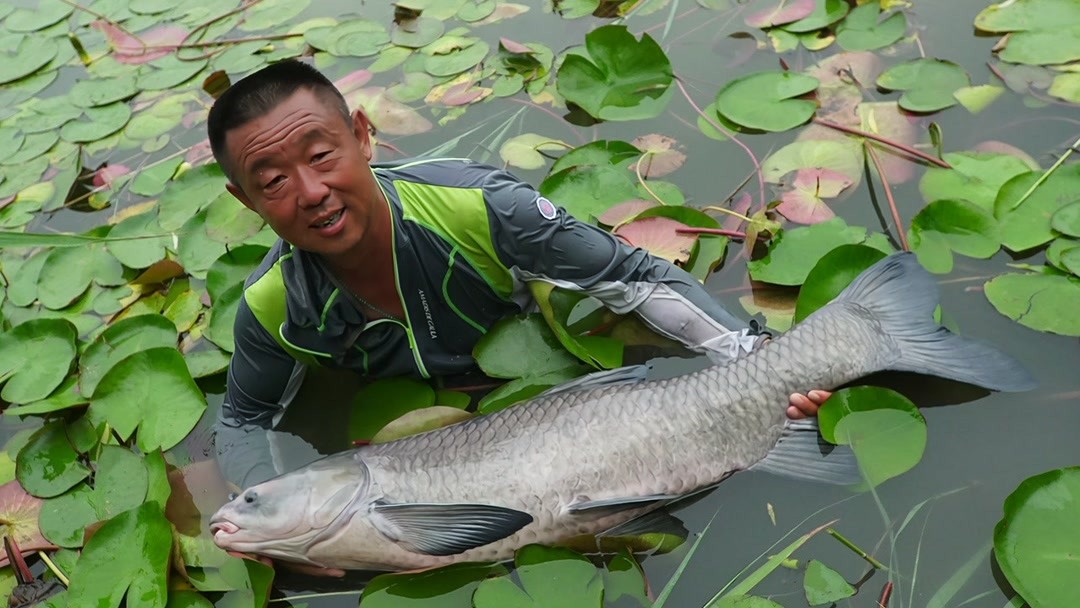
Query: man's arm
{"type": "Point", "coordinates": [262, 380]}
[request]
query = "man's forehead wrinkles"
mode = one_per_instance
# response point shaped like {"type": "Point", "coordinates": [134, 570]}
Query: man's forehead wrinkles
{"type": "Point", "coordinates": [277, 136]}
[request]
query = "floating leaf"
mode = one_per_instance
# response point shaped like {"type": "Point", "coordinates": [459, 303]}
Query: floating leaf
{"type": "Point", "coordinates": [32, 54]}
{"type": "Point", "coordinates": [197, 251]}
{"type": "Point", "coordinates": [1027, 224]}
{"type": "Point", "coordinates": [48, 12]}
{"type": "Point", "coordinates": [96, 123]}
{"type": "Point", "coordinates": [132, 392]}
{"type": "Point", "coordinates": [833, 272]}
{"type": "Point", "coordinates": [795, 252]}
{"type": "Point", "coordinates": [108, 568]}
{"type": "Point", "coordinates": [1066, 86]}
{"type": "Point", "coordinates": [1035, 542]}
{"type": "Point", "coordinates": [233, 268]}
{"type": "Point", "coordinates": [1067, 219]}
{"type": "Point", "coordinates": [620, 72]}
{"type": "Point", "coordinates": [48, 465]}
{"type": "Point", "coordinates": [523, 150]}
{"type": "Point", "coordinates": [602, 152]}
{"type": "Point", "coordinates": [1039, 301]}
{"type": "Point", "coordinates": [383, 401]}
{"type": "Point", "coordinates": [764, 100]}
{"type": "Point", "coordinates": [19, 519]}
{"type": "Point", "coordinates": [745, 601]}
{"type": "Point", "coordinates": [355, 37]}
{"type": "Point", "coordinates": [822, 584]}
{"type": "Point", "coordinates": [28, 379]}
{"type": "Point", "coordinates": [660, 155]}
{"type": "Point", "coordinates": [138, 252]}
{"type": "Point", "coordinates": [420, 421]}
{"type": "Point", "coordinates": [953, 225]}
{"type": "Point", "coordinates": [68, 272]}
{"type": "Point", "coordinates": [834, 156]}
{"type": "Point", "coordinates": [624, 212]}
{"type": "Point", "coordinates": [826, 13]}
{"type": "Point", "coordinates": [861, 31]}
{"type": "Point", "coordinates": [271, 13]}
{"type": "Point", "coordinates": [803, 203]}
{"type": "Point", "coordinates": [228, 221]}
{"type": "Point", "coordinates": [521, 345]}
{"type": "Point", "coordinates": [222, 316]}
{"type": "Point", "coordinates": [168, 71]}
{"type": "Point", "coordinates": [928, 84]}
{"type": "Point", "coordinates": [102, 91]}
{"type": "Point", "coordinates": [519, 390]}
{"type": "Point", "coordinates": [390, 116]}
{"type": "Point", "coordinates": [189, 193]}
{"type": "Point", "coordinates": [1040, 32]}
{"type": "Point", "coordinates": [550, 576]}
{"type": "Point", "coordinates": [556, 306]}
{"type": "Point", "coordinates": [457, 59]}
{"type": "Point", "coordinates": [660, 237]}
{"type": "Point", "coordinates": [588, 191]}
{"type": "Point", "coordinates": [975, 177]}
{"type": "Point", "coordinates": [452, 585]}
{"type": "Point", "coordinates": [785, 11]}
{"type": "Point", "coordinates": [1060, 254]}
{"type": "Point", "coordinates": [123, 338]}
{"type": "Point", "coordinates": [978, 98]}
{"type": "Point", "coordinates": [418, 32]}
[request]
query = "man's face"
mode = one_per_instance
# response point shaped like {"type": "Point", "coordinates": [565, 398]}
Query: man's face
{"type": "Point", "coordinates": [305, 171]}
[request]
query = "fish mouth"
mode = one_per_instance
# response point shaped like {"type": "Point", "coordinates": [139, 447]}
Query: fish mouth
{"type": "Point", "coordinates": [223, 528]}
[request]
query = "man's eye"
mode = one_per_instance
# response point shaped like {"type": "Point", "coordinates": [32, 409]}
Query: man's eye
{"type": "Point", "coordinates": [274, 182]}
{"type": "Point", "coordinates": [320, 156]}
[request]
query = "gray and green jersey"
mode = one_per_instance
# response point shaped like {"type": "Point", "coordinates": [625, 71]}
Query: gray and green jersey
{"type": "Point", "coordinates": [467, 240]}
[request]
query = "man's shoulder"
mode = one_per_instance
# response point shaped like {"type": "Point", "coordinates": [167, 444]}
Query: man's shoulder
{"type": "Point", "coordinates": [441, 171]}
{"type": "Point", "coordinates": [279, 250]}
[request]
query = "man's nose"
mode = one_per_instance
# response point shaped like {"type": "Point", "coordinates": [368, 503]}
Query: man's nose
{"type": "Point", "coordinates": [313, 189]}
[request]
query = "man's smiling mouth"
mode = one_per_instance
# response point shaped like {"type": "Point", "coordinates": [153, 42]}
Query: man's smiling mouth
{"type": "Point", "coordinates": [330, 220]}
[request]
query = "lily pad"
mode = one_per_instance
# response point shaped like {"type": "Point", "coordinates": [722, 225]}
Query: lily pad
{"type": "Point", "coordinates": [48, 464]}
{"type": "Point", "coordinates": [138, 252]}
{"type": "Point", "coordinates": [121, 339]}
{"type": "Point", "coordinates": [861, 30]}
{"type": "Point", "coordinates": [804, 202]}
{"type": "Point", "coordinates": [1035, 542]}
{"type": "Point", "coordinates": [230, 222]}
{"type": "Point", "coordinates": [825, 13]}
{"type": "Point", "coordinates": [784, 11]}
{"type": "Point", "coordinates": [835, 156]}
{"type": "Point", "coordinates": [624, 212]}
{"type": "Point", "coordinates": [186, 195]}
{"type": "Point", "coordinates": [556, 306]}
{"type": "Point", "coordinates": [19, 519]}
{"type": "Point", "coordinates": [32, 54]}
{"type": "Point", "coordinates": [764, 100]}
{"type": "Point", "coordinates": [523, 151]}
{"type": "Point", "coordinates": [457, 59]}
{"type": "Point", "coordinates": [975, 177]}
{"type": "Point", "coordinates": [132, 393]}
{"type": "Point", "coordinates": [420, 421]}
{"type": "Point", "coordinates": [169, 72]}
{"type": "Point", "coordinates": [1027, 224]}
{"type": "Point", "coordinates": [928, 84]}
{"type": "Point", "coordinates": [47, 12]}
{"type": "Point", "coordinates": [520, 346]}
{"type": "Point", "coordinates": [96, 123]}
{"type": "Point", "coordinates": [520, 389]}
{"type": "Point", "coordinates": [102, 91]}
{"type": "Point", "coordinates": [1040, 32]}
{"type": "Point", "coordinates": [418, 32]}
{"type": "Point", "coordinates": [452, 585]}
{"type": "Point", "coordinates": [661, 155]}
{"type": "Point", "coordinates": [549, 576]}
{"type": "Point", "coordinates": [794, 253]}
{"type": "Point", "coordinates": [389, 115]}
{"type": "Point", "coordinates": [978, 98]}
{"type": "Point", "coordinates": [835, 271]}
{"type": "Point", "coordinates": [233, 268]}
{"type": "Point", "coordinates": [620, 72]}
{"type": "Point", "coordinates": [587, 191]}
{"type": "Point", "coordinates": [823, 585]}
{"type": "Point", "coordinates": [383, 401]}
{"type": "Point", "coordinates": [1067, 220]}
{"type": "Point", "coordinates": [660, 236]}
{"type": "Point", "coordinates": [953, 225]}
{"type": "Point", "coordinates": [68, 272]}
{"type": "Point", "coordinates": [1040, 301]}
{"type": "Point", "coordinates": [355, 38]}
{"type": "Point", "coordinates": [602, 152]}
{"type": "Point", "coordinates": [28, 379]}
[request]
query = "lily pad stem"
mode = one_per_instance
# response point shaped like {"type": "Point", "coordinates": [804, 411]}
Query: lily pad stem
{"type": "Point", "coordinates": [731, 136]}
{"type": "Point", "coordinates": [727, 211]}
{"type": "Point", "coordinates": [311, 596]}
{"type": "Point", "coordinates": [886, 593]}
{"type": "Point", "coordinates": [1045, 176]}
{"type": "Point", "coordinates": [888, 142]}
{"type": "Point", "coordinates": [641, 180]}
{"type": "Point", "coordinates": [206, 24]}
{"type": "Point", "coordinates": [850, 545]}
{"type": "Point", "coordinates": [105, 19]}
{"type": "Point", "coordinates": [537, 106]}
{"type": "Point", "coordinates": [55, 570]}
{"type": "Point", "coordinates": [900, 232]}
{"type": "Point", "coordinates": [716, 231]}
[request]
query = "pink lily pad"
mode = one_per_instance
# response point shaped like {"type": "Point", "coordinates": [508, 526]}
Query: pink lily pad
{"type": "Point", "coordinates": [19, 518]}
{"type": "Point", "coordinates": [885, 118]}
{"type": "Point", "coordinates": [352, 81]}
{"type": "Point", "coordinates": [804, 203]}
{"type": "Point", "coordinates": [660, 236]}
{"type": "Point", "coordinates": [785, 11]}
{"type": "Point", "coordinates": [198, 152]}
{"type": "Point", "coordinates": [515, 47]}
{"type": "Point", "coordinates": [108, 174]}
{"type": "Point", "coordinates": [148, 46]}
{"type": "Point", "coordinates": [389, 116]}
{"type": "Point", "coordinates": [624, 212]}
{"type": "Point", "coordinates": [198, 489]}
{"type": "Point", "coordinates": [661, 156]}
{"type": "Point", "coordinates": [464, 93]}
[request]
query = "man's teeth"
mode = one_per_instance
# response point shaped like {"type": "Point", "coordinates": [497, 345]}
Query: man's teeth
{"type": "Point", "coordinates": [330, 220]}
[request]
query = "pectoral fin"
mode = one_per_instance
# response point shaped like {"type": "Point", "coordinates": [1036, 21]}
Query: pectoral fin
{"type": "Point", "coordinates": [446, 529]}
{"type": "Point", "coordinates": [585, 505]}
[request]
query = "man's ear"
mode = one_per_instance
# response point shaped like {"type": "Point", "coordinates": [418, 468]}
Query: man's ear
{"type": "Point", "coordinates": [240, 196]}
{"type": "Point", "coordinates": [362, 129]}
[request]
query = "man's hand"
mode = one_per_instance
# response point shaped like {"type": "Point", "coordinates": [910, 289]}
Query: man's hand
{"type": "Point", "coordinates": [805, 406]}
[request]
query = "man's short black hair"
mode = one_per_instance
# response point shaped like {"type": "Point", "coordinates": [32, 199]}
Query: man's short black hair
{"type": "Point", "coordinates": [259, 93]}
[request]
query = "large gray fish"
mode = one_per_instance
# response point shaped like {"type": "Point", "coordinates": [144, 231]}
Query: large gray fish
{"type": "Point", "coordinates": [583, 459]}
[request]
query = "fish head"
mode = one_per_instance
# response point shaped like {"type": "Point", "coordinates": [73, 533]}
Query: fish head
{"type": "Point", "coordinates": [285, 516]}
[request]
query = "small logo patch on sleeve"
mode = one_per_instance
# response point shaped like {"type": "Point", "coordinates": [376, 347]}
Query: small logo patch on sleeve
{"type": "Point", "coordinates": [547, 208]}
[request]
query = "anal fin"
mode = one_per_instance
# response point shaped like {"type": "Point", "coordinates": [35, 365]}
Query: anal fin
{"type": "Point", "coordinates": [801, 453]}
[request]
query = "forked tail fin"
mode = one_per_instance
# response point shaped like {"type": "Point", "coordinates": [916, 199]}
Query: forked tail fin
{"type": "Point", "coordinates": [902, 295]}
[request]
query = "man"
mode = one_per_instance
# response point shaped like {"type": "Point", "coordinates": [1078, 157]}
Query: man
{"type": "Point", "coordinates": [399, 268]}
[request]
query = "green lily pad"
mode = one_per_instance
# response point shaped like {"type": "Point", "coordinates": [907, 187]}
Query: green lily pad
{"type": "Point", "coordinates": [108, 569]}
{"type": "Point", "coordinates": [28, 379]}
{"type": "Point", "coordinates": [587, 191]}
{"type": "Point", "coordinates": [1041, 32]}
{"type": "Point", "coordinates": [48, 12]}
{"type": "Point", "coordinates": [33, 146]}
{"type": "Point", "coordinates": [521, 345]}
{"type": "Point", "coordinates": [418, 32]}
{"type": "Point", "coordinates": [521, 389]}
{"type": "Point", "coordinates": [138, 252]}
{"type": "Point", "coordinates": [745, 601]}
{"type": "Point", "coordinates": [1039, 301]}
{"type": "Point", "coordinates": [32, 54]}
{"type": "Point", "coordinates": [555, 305]}
{"type": "Point", "coordinates": [228, 221]}
{"type": "Point", "coordinates": [886, 431]}
{"type": "Point", "coordinates": [204, 363]}
{"type": "Point", "coordinates": [602, 152]}
{"type": "Point", "coordinates": [1070, 259]}
{"type": "Point", "coordinates": [233, 268]}
{"type": "Point", "coordinates": [928, 84]}
{"type": "Point", "coordinates": [764, 100]}
{"type": "Point", "coordinates": [152, 180]}
{"type": "Point", "coordinates": [122, 339]}
{"type": "Point", "coordinates": [197, 251]}
{"type": "Point", "coordinates": [102, 91]}
{"type": "Point", "coordinates": [48, 465]}
{"type": "Point", "coordinates": [975, 176]}
{"type": "Point", "coordinates": [132, 393]}
{"type": "Point", "coordinates": [452, 585]}
{"type": "Point", "coordinates": [383, 401]}
{"type": "Point", "coordinates": [823, 585]}
{"type": "Point", "coordinates": [96, 123]}
{"type": "Point", "coordinates": [222, 316]}
{"type": "Point", "coordinates": [833, 272]}
{"type": "Point", "coordinates": [168, 71]}
{"type": "Point", "coordinates": [1035, 542]}
{"type": "Point", "coordinates": [1061, 249]}
{"type": "Point", "coordinates": [420, 421]}
{"type": "Point", "coordinates": [523, 151]}
{"type": "Point", "coordinates": [785, 11]}
{"type": "Point", "coordinates": [1066, 86]}
{"type": "Point", "coordinates": [620, 73]}
{"type": "Point", "coordinates": [271, 13]}
{"type": "Point", "coordinates": [1067, 220]}
{"type": "Point", "coordinates": [836, 156]}
{"type": "Point", "coordinates": [550, 576]}
{"type": "Point", "coordinates": [120, 483]}
{"type": "Point", "coordinates": [68, 272]}
{"type": "Point", "coordinates": [825, 13]}
{"type": "Point", "coordinates": [157, 120]}
{"type": "Point", "coordinates": [1027, 224]}
{"type": "Point", "coordinates": [978, 98]}
{"type": "Point", "coordinates": [794, 253]}
{"type": "Point", "coordinates": [862, 31]}
{"type": "Point", "coordinates": [948, 225]}
{"type": "Point", "coordinates": [352, 38]}
{"type": "Point", "coordinates": [185, 196]}
{"type": "Point", "coordinates": [457, 59]}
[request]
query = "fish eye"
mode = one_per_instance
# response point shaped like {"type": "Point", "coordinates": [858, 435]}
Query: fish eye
{"type": "Point", "coordinates": [250, 497]}
{"type": "Point", "coordinates": [232, 496]}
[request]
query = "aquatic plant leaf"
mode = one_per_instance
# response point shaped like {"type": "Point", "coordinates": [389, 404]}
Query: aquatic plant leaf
{"type": "Point", "coordinates": [457, 59]}
{"type": "Point", "coordinates": [1067, 219]}
{"type": "Point", "coordinates": [197, 251]}
{"type": "Point", "coordinates": [785, 11]}
{"type": "Point", "coordinates": [1060, 254]}
{"type": "Point", "coordinates": [825, 13]}
{"type": "Point", "coordinates": [268, 14]}
{"type": "Point", "coordinates": [804, 203]}
{"type": "Point", "coordinates": [520, 389]}
{"type": "Point", "coordinates": [32, 54]}
{"type": "Point", "coordinates": [102, 91]}
{"type": "Point", "coordinates": [222, 316]}
{"type": "Point", "coordinates": [96, 123]}
{"type": "Point", "coordinates": [587, 191]}
{"type": "Point", "coordinates": [745, 601]}
{"type": "Point", "coordinates": [835, 156]}
{"type": "Point", "coordinates": [660, 237]}
{"type": "Point", "coordinates": [953, 225]}
{"type": "Point", "coordinates": [168, 71]}
{"type": "Point", "coordinates": [68, 272]}
{"type": "Point", "coordinates": [354, 37]}
{"type": "Point", "coordinates": [661, 155]}
{"type": "Point", "coordinates": [793, 253]}
{"type": "Point", "coordinates": [29, 379]}
{"type": "Point", "coordinates": [1045, 302]}
{"type": "Point", "coordinates": [975, 177]}
{"type": "Point", "coordinates": [416, 33]}
{"type": "Point", "coordinates": [19, 519]}
{"type": "Point", "coordinates": [47, 12]}
{"type": "Point", "coordinates": [764, 100]}
{"type": "Point", "coordinates": [230, 222]}
{"type": "Point", "coordinates": [157, 120]}
{"type": "Point", "coordinates": [447, 586]}
{"type": "Point", "coordinates": [928, 84]}
{"type": "Point", "coordinates": [1026, 224]}
{"type": "Point", "coordinates": [885, 430]}
{"type": "Point", "coordinates": [833, 272]}
{"type": "Point", "coordinates": [233, 268]}
{"type": "Point", "coordinates": [620, 72]}
{"type": "Point", "coordinates": [420, 421]}
{"type": "Point", "coordinates": [550, 576]}
{"type": "Point", "coordinates": [1066, 86]}
{"type": "Point", "coordinates": [142, 250]}
{"type": "Point", "coordinates": [624, 212]}
{"type": "Point", "coordinates": [602, 152]}
{"type": "Point", "coordinates": [383, 401]}
{"type": "Point", "coordinates": [556, 305]}
{"type": "Point", "coordinates": [521, 345]}
{"type": "Point", "coordinates": [1035, 542]}
{"type": "Point", "coordinates": [108, 568]}
{"type": "Point", "coordinates": [189, 193]}
{"type": "Point", "coordinates": [861, 30]}
{"type": "Point", "coordinates": [388, 115]}
{"type": "Point", "coordinates": [131, 393]}
{"type": "Point", "coordinates": [33, 146]}
{"type": "Point", "coordinates": [978, 98]}
{"type": "Point", "coordinates": [523, 150]}
{"type": "Point", "coordinates": [1041, 32]}
{"type": "Point", "coordinates": [121, 339]}
{"type": "Point", "coordinates": [823, 585]}
{"type": "Point", "coordinates": [48, 465]}
{"type": "Point", "coordinates": [120, 483]}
